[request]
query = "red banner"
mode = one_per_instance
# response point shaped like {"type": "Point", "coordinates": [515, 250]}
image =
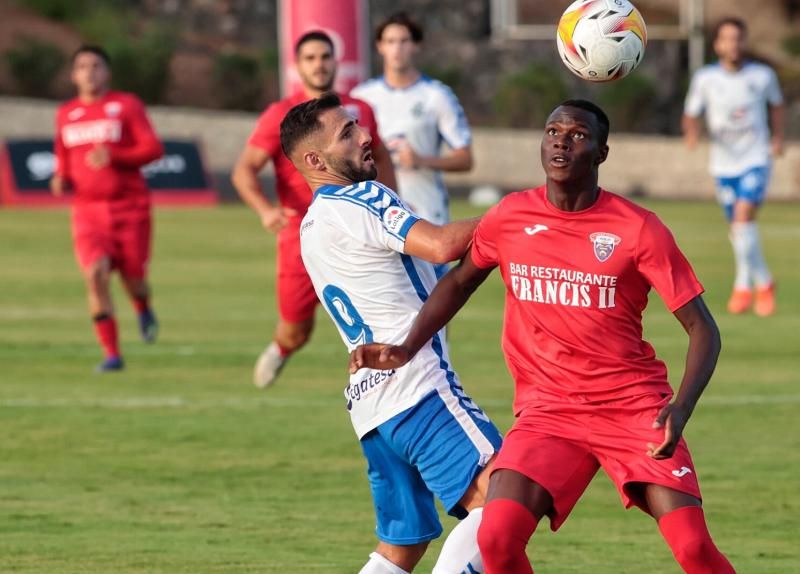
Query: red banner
{"type": "Point", "coordinates": [345, 21]}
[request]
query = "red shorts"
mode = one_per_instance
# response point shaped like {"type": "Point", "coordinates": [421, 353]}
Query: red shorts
{"type": "Point", "coordinates": [297, 299]}
{"type": "Point", "coordinates": [562, 446]}
{"type": "Point", "coordinates": [119, 231]}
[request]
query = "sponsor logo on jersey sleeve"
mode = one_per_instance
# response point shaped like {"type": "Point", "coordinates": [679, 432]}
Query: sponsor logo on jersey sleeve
{"type": "Point", "coordinates": [604, 244]}
{"type": "Point", "coordinates": [394, 218]}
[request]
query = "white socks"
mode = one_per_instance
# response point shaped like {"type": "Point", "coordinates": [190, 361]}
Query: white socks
{"type": "Point", "coordinates": [460, 553]}
{"type": "Point", "coordinates": [750, 265]}
{"type": "Point", "coordinates": [379, 565]}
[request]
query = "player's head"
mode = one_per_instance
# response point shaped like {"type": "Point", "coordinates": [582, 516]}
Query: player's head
{"type": "Point", "coordinates": [316, 60]}
{"type": "Point", "coordinates": [575, 141]}
{"type": "Point", "coordinates": [325, 143]}
{"type": "Point", "coordinates": [91, 70]}
{"type": "Point", "coordinates": [730, 39]}
{"type": "Point", "coordinates": [397, 39]}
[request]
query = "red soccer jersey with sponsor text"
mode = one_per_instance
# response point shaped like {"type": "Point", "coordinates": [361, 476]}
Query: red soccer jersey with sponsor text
{"type": "Point", "coordinates": [292, 190]}
{"type": "Point", "coordinates": [117, 120]}
{"type": "Point", "coordinates": [576, 286]}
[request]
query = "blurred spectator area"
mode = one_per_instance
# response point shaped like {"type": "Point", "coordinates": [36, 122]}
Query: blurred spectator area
{"type": "Point", "coordinates": [222, 54]}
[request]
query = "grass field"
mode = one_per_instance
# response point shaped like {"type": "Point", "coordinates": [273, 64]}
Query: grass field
{"type": "Point", "coordinates": [179, 465]}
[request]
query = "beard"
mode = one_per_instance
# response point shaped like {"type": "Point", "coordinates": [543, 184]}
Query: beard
{"type": "Point", "coordinates": [354, 173]}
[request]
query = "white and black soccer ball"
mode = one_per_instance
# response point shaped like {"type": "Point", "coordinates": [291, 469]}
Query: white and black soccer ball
{"type": "Point", "coordinates": [601, 40]}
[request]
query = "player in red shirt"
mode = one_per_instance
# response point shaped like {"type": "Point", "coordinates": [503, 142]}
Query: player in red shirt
{"type": "Point", "coordinates": [316, 67]}
{"type": "Point", "coordinates": [578, 263]}
{"type": "Point", "coordinates": [102, 140]}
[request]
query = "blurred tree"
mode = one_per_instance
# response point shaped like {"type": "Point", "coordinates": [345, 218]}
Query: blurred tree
{"type": "Point", "coordinates": [525, 98]}
{"type": "Point", "coordinates": [34, 64]}
{"type": "Point", "coordinates": [237, 80]}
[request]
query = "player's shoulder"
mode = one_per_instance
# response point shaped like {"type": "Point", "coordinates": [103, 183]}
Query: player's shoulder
{"type": "Point", "coordinates": [437, 90]}
{"type": "Point", "coordinates": [369, 88]}
{"type": "Point", "coordinates": [629, 207]}
{"type": "Point", "coordinates": [126, 99]}
{"type": "Point", "coordinates": [371, 196]}
{"type": "Point", "coordinates": [68, 106]}
{"type": "Point", "coordinates": [757, 69]}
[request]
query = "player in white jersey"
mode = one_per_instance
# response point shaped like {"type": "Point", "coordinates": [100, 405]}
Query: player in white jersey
{"type": "Point", "coordinates": [416, 114]}
{"type": "Point", "coordinates": [744, 111]}
{"type": "Point", "coordinates": [370, 260]}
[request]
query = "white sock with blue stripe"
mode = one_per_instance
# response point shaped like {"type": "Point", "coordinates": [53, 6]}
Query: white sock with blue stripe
{"type": "Point", "coordinates": [755, 256]}
{"type": "Point", "coordinates": [460, 553]}
{"type": "Point", "coordinates": [741, 240]}
{"type": "Point", "coordinates": [379, 565]}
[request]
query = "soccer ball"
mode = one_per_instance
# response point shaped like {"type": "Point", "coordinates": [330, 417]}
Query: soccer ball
{"type": "Point", "coordinates": [601, 40]}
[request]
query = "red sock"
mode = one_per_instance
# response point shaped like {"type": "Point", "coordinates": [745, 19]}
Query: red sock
{"type": "Point", "coordinates": [105, 327]}
{"type": "Point", "coordinates": [282, 350]}
{"type": "Point", "coordinates": [686, 533]}
{"type": "Point", "coordinates": [504, 532]}
{"type": "Point", "coordinates": [141, 304]}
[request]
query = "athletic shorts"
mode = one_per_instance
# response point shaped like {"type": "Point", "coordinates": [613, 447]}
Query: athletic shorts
{"type": "Point", "coordinates": [436, 447]}
{"type": "Point", "coordinates": [751, 186]}
{"type": "Point", "coordinates": [562, 446]}
{"type": "Point", "coordinates": [297, 299]}
{"type": "Point", "coordinates": [120, 231]}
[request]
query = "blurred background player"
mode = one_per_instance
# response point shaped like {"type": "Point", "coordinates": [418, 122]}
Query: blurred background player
{"type": "Point", "coordinates": [316, 66]}
{"type": "Point", "coordinates": [743, 104]}
{"type": "Point", "coordinates": [370, 260]}
{"type": "Point", "coordinates": [578, 263]}
{"type": "Point", "coordinates": [415, 115]}
{"type": "Point", "coordinates": [102, 140]}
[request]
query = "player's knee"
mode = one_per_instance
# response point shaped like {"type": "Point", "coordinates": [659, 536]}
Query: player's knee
{"type": "Point", "coordinates": [97, 275]}
{"type": "Point", "coordinates": [293, 337]}
{"type": "Point", "coordinates": [694, 550]}
{"type": "Point", "coordinates": [500, 537]}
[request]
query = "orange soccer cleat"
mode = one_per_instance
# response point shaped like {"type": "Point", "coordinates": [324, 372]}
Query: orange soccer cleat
{"type": "Point", "coordinates": [740, 301]}
{"type": "Point", "coordinates": [765, 300]}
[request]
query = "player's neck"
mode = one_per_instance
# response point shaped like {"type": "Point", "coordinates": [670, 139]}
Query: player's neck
{"type": "Point", "coordinates": [732, 65]}
{"type": "Point", "coordinates": [400, 79]}
{"type": "Point", "coordinates": [92, 97]}
{"type": "Point", "coordinates": [314, 93]}
{"type": "Point", "coordinates": [321, 179]}
{"type": "Point", "coordinates": [572, 196]}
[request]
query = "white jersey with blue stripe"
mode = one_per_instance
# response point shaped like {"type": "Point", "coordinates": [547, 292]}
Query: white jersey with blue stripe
{"type": "Point", "coordinates": [425, 114]}
{"type": "Point", "coordinates": [735, 107]}
{"type": "Point", "coordinates": [352, 242]}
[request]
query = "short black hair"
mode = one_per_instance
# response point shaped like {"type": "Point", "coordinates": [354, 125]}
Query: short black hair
{"type": "Point", "coordinates": [594, 109]}
{"type": "Point", "coordinates": [91, 49]}
{"type": "Point", "coordinates": [303, 120]}
{"type": "Point", "coordinates": [314, 36]}
{"type": "Point", "coordinates": [730, 21]}
{"type": "Point", "coordinates": [400, 19]}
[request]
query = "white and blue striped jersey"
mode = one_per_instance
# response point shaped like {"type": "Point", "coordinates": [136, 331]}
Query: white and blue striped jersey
{"type": "Point", "coordinates": [735, 107]}
{"type": "Point", "coordinates": [425, 114]}
{"type": "Point", "coordinates": [352, 242]}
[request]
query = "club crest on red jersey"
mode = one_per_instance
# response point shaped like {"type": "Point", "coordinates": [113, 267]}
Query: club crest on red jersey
{"type": "Point", "coordinates": [604, 244]}
{"type": "Point", "coordinates": [112, 109]}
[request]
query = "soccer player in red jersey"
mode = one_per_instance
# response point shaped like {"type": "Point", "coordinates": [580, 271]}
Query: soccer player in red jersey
{"type": "Point", "coordinates": [578, 263]}
{"type": "Point", "coordinates": [316, 67]}
{"type": "Point", "coordinates": [103, 138]}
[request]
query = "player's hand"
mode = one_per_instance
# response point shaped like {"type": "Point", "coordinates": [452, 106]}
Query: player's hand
{"type": "Point", "coordinates": [57, 185]}
{"type": "Point", "coordinates": [98, 157]}
{"type": "Point", "coordinates": [776, 145]}
{"type": "Point", "coordinates": [379, 356]}
{"type": "Point", "coordinates": [276, 218]}
{"type": "Point", "coordinates": [691, 141]}
{"type": "Point", "coordinates": [672, 418]}
{"type": "Point", "coordinates": [405, 156]}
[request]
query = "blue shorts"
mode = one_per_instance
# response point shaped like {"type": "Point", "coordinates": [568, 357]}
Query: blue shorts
{"type": "Point", "coordinates": [750, 186]}
{"type": "Point", "coordinates": [436, 447]}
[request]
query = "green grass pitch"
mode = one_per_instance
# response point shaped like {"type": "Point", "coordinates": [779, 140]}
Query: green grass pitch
{"type": "Point", "coordinates": [179, 465]}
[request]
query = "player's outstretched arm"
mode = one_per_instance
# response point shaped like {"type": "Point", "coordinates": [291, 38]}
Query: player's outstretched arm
{"type": "Point", "coordinates": [440, 243]}
{"type": "Point", "coordinates": [701, 359]}
{"type": "Point", "coordinates": [449, 296]}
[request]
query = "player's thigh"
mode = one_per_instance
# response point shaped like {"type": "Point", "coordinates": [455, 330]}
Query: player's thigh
{"type": "Point", "coordinates": [297, 300]}
{"type": "Point", "coordinates": [92, 239]}
{"type": "Point", "coordinates": [449, 440]}
{"type": "Point", "coordinates": [619, 441]}
{"type": "Point", "coordinates": [542, 448]}
{"type": "Point", "coordinates": [133, 239]}
{"type": "Point", "coordinates": [405, 511]}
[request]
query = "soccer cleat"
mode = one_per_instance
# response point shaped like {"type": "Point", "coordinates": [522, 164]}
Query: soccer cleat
{"type": "Point", "coordinates": [740, 301]}
{"type": "Point", "coordinates": [765, 301]}
{"type": "Point", "coordinates": [110, 364]}
{"type": "Point", "coordinates": [148, 326]}
{"type": "Point", "coordinates": [268, 366]}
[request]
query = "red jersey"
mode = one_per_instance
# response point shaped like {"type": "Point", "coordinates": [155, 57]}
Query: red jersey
{"type": "Point", "coordinates": [292, 190]}
{"type": "Point", "coordinates": [576, 287]}
{"type": "Point", "coordinates": [117, 120]}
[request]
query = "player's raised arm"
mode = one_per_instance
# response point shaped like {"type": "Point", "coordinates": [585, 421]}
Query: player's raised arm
{"type": "Point", "coordinates": [449, 296]}
{"type": "Point", "coordinates": [701, 360]}
{"type": "Point", "coordinates": [440, 243]}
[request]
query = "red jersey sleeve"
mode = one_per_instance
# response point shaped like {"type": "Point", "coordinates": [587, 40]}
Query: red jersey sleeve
{"type": "Point", "coordinates": [267, 133]}
{"type": "Point", "coordinates": [146, 146]}
{"type": "Point", "coordinates": [666, 269]}
{"type": "Point", "coordinates": [484, 251]}
{"type": "Point", "coordinates": [59, 149]}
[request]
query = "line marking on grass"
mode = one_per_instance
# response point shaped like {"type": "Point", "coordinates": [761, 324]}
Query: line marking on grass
{"type": "Point", "coordinates": [296, 403]}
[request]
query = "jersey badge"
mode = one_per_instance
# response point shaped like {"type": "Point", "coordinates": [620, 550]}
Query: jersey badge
{"type": "Point", "coordinates": [112, 109]}
{"type": "Point", "coordinates": [604, 244]}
